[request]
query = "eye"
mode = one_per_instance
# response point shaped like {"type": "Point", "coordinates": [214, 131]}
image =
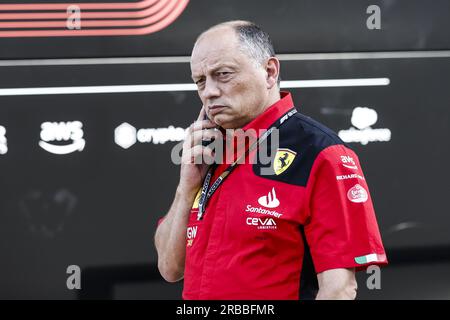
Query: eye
{"type": "Point", "coordinates": [199, 82]}
{"type": "Point", "coordinates": [224, 75]}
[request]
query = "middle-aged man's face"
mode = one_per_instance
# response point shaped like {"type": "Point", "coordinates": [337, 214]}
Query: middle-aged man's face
{"type": "Point", "coordinates": [232, 87]}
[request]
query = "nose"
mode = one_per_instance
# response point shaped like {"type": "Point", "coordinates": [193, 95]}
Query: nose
{"type": "Point", "coordinates": [211, 90]}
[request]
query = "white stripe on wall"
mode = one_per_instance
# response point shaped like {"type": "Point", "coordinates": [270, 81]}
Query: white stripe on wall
{"type": "Point", "coordinates": [171, 87]}
{"type": "Point", "coordinates": [186, 59]}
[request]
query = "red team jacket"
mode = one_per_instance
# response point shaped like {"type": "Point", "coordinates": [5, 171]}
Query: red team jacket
{"type": "Point", "coordinates": [267, 236]}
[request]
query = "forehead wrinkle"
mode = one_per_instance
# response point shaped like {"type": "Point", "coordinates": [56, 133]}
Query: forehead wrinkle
{"type": "Point", "coordinates": [209, 67]}
{"type": "Point", "coordinates": [209, 51]}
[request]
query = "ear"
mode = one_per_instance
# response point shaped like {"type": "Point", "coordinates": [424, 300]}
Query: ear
{"type": "Point", "coordinates": [273, 71]}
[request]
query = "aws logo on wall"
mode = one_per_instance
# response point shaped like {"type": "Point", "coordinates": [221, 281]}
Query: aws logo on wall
{"type": "Point", "coordinates": [62, 137]}
{"type": "Point", "coordinates": [88, 19]}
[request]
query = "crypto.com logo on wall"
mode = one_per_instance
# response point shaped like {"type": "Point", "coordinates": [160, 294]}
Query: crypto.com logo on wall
{"type": "Point", "coordinates": [88, 19]}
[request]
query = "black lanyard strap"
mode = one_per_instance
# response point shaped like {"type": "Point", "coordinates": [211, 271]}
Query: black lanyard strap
{"type": "Point", "coordinates": [207, 193]}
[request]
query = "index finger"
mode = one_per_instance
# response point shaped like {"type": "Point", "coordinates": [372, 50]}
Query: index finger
{"type": "Point", "coordinates": [202, 113]}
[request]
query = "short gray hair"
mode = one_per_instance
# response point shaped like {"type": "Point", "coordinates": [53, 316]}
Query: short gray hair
{"type": "Point", "coordinates": [253, 41]}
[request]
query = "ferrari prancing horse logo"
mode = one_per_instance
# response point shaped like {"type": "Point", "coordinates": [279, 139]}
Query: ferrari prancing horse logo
{"type": "Point", "coordinates": [283, 159]}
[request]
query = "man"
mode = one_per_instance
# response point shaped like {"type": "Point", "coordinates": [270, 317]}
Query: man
{"type": "Point", "coordinates": [307, 226]}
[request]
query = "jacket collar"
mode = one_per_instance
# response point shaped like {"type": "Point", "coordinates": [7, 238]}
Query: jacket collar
{"type": "Point", "coordinates": [272, 113]}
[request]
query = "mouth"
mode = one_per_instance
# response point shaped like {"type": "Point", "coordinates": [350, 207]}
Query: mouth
{"type": "Point", "coordinates": [215, 109]}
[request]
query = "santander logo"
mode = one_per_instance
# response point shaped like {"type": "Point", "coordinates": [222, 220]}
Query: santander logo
{"type": "Point", "coordinates": [270, 200]}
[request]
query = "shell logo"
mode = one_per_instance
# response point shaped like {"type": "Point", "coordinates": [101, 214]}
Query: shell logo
{"type": "Point", "coordinates": [88, 19]}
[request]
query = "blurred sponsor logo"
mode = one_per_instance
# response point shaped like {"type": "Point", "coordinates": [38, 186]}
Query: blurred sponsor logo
{"type": "Point", "coordinates": [3, 141]}
{"type": "Point", "coordinates": [362, 120]}
{"type": "Point", "coordinates": [270, 200]}
{"type": "Point", "coordinates": [263, 211]}
{"type": "Point", "coordinates": [126, 135]}
{"type": "Point", "coordinates": [349, 176]}
{"type": "Point", "coordinates": [262, 223]}
{"type": "Point", "coordinates": [348, 162]}
{"type": "Point", "coordinates": [52, 132]}
{"type": "Point", "coordinates": [357, 194]}
{"type": "Point", "coordinates": [283, 159]}
{"type": "Point", "coordinates": [191, 233]}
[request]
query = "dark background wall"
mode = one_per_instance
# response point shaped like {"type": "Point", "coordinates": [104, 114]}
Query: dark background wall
{"type": "Point", "coordinates": [98, 208]}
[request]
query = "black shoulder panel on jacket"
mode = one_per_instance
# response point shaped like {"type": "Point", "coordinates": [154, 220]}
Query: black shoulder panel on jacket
{"type": "Point", "coordinates": [306, 138]}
